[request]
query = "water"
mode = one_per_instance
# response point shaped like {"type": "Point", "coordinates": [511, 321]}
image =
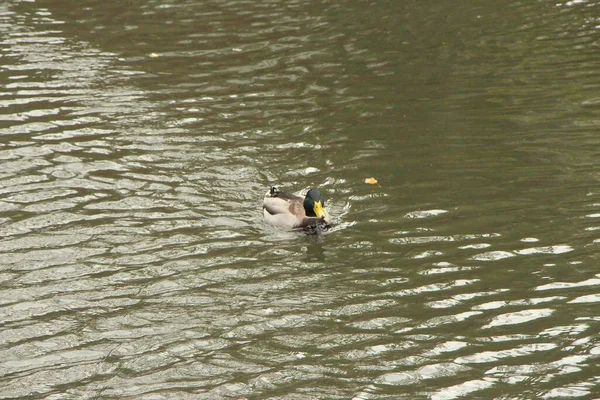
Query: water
{"type": "Point", "coordinates": [138, 138]}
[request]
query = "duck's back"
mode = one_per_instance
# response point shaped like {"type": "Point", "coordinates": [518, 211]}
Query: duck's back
{"type": "Point", "coordinates": [283, 209]}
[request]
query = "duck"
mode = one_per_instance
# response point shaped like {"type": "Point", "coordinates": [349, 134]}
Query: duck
{"type": "Point", "coordinates": [293, 212]}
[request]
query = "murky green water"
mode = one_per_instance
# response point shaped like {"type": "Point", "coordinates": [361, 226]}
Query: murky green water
{"type": "Point", "coordinates": [137, 139]}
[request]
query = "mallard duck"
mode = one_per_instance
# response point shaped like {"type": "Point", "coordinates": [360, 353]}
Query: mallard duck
{"type": "Point", "coordinates": [289, 211]}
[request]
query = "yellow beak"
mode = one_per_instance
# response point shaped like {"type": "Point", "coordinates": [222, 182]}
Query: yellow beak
{"type": "Point", "coordinates": [319, 209]}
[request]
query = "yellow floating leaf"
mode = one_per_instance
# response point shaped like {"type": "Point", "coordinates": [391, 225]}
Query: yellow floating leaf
{"type": "Point", "coordinates": [371, 181]}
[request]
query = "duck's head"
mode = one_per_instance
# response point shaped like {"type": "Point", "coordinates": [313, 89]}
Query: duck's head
{"type": "Point", "coordinates": [314, 205]}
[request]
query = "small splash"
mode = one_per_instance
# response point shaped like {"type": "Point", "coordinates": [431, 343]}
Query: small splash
{"type": "Point", "coordinates": [530, 240]}
{"type": "Point", "coordinates": [428, 253]}
{"type": "Point", "coordinates": [590, 298]}
{"type": "Point", "coordinates": [492, 356]}
{"type": "Point", "coordinates": [425, 214]}
{"type": "Point", "coordinates": [444, 270]}
{"type": "Point", "coordinates": [475, 246]}
{"type": "Point", "coordinates": [398, 378]}
{"type": "Point", "coordinates": [492, 256]}
{"type": "Point", "coordinates": [462, 389]}
{"type": "Point", "coordinates": [431, 371]}
{"type": "Point", "coordinates": [559, 249]}
{"type": "Point", "coordinates": [569, 285]}
{"type": "Point", "coordinates": [519, 317]}
{"type": "Point", "coordinates": [422, 239]}
{"type": "Point", "coordinates": [575, 391]}
{"type": "Point", "coordinates": [379, 323]}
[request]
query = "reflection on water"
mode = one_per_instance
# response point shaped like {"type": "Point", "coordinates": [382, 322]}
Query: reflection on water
{"type": "Point", "coordinates": [137, 139]}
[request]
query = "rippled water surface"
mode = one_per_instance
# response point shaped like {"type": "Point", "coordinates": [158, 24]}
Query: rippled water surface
{"type": "Point", "coordinates": [137, 139]}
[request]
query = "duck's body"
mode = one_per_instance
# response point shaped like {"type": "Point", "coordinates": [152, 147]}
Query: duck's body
{"type": "Point", "coordinates": [289, 211]}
